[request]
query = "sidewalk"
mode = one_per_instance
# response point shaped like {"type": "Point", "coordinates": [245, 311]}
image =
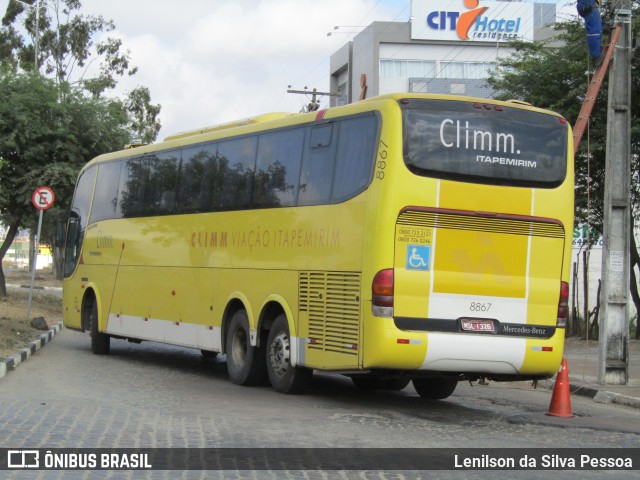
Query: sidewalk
{"type": "Point", "coordinates": [23, 354]}
{"type": "Point", "coordinates": [583, 358]}
{"type": "Point", "coordinates": [55, 290]}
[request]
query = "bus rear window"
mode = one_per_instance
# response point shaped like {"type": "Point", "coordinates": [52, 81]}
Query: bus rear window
{"type": "Point", "coordinates": [483, 144]}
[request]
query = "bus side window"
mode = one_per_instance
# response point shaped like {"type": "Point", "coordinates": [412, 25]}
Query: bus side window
{"type": "Point", "coordinates": [197, 169]}
{"type": "Point", "coordinates": [105, 198]}
{"type": "Point", "coordinates": [278, 168]}
{"type": "Point", "coordinates": [78, 219]}
{"type": "Point", "coordinates": [160, 193]}
{"type": "Point", "coordinates": [82, 198]}
{"type": "Point", "coordinates": [133, 182]}
{"type": "Point", "coordinates": [355, 157]}
{"type": "Point", "coordinates": [318, 161]}
{"type": "Point", "coordinates": [236, 164]}
{"type": "Point", "coordinates": [320, 136]}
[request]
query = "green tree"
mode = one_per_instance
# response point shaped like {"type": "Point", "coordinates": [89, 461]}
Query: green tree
{"type": "Point", "coordinates": [68, 53]}
{"type": "Point", "coordinates": [144, 124]}
{"type": "Point", "coordinates": [45, 142]}
{"type": "Point", "coordinates": [554, 74]}
{"type": "Point", "coordinates": [50, 128]}
{"type": "Point", "coordinates": [66, 47]}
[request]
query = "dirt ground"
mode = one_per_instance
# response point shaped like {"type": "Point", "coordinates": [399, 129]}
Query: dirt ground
{"type": "Point", "coordinates": [15, 330]}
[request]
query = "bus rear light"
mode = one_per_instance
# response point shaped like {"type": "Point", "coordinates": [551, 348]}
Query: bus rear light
{"type": "Point", "coordinates": [382, 293]}
{"type": "Point", "coordinates": [535, 348]}
{"type": "Point", "coordinates": [563, 305]}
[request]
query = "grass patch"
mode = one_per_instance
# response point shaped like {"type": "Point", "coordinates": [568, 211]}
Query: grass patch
{"type": "Point", "coordinates": [15, 330]}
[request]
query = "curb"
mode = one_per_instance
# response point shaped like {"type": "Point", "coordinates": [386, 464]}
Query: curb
{"type": "Point", "coordinates": [36, 287]}
{"type": "Point", "coordinates": [611, 397]}
{"type": "Point", "coordinates": [598, 395]}
{"type": "Point", "coordinates": [10, 363]}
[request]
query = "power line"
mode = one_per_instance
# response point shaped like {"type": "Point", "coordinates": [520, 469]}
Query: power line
{"type": "Point", "coordinates": [408, 3]}
{"type": "Point", "coordinates": [328, 58]}
{"type": "Point", "coordinates": [314, 104]}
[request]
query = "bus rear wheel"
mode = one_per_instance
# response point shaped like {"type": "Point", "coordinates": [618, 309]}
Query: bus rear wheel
{"type": "Point", "coordinates": [284, 377]}
{"type": "Point", "coordinates": [245, 363]}
{"type": "Point", "coordinates": [434, 388]}
{"type": "Point", "coordinates": [100, 342]}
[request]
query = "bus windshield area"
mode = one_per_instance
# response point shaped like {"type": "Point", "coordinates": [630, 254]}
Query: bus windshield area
{"type": "Point", "coordinates": [484, 143]}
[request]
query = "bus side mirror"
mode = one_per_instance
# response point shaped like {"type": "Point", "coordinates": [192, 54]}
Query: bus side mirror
{"type": "Point", "coordinates": [61, 227]}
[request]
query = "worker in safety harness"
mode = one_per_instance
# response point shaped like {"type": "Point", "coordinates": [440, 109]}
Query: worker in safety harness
{"type": "Point", "coordinates": [588, 9]}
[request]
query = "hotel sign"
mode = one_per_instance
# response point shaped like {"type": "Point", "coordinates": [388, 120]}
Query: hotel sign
{"type": "Point", "coordinates": [471, 21]}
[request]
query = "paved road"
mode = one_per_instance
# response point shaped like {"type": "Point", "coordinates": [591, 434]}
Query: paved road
{"type": "Point", "coordinates": [150, 395]}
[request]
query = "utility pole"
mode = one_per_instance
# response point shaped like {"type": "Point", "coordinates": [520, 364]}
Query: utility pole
{"type": "Point", "coordinates": [314, 104]}
{"type": "Point", "coordinates": [37, 32]}
{"type": "Point", "coordinates": [614, 323]}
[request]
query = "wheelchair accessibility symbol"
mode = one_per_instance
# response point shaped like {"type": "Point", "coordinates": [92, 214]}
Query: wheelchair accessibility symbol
{"type": "Point", "coordinates": [418, 257]}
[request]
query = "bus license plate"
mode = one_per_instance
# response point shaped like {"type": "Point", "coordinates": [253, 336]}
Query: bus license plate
{"type": "Point", "coordinates": [469, 325]}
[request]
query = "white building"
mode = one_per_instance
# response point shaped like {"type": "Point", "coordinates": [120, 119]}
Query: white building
{"type": "Point", "coordinates": [446, 47]}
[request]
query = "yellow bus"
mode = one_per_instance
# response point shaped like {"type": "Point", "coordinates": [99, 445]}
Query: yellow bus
{"type": "Point", "coordinates": [403, 238]}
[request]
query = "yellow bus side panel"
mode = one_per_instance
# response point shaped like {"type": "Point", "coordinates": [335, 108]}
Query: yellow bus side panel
{"type": "Point", "coordinates": [543, 356]}
{"type": "Point", "coordinates": [388, 347]}
{"type": "Point", "coordinates": [76, 287]}
{"type": "Point", "coordinates": [185, 273]}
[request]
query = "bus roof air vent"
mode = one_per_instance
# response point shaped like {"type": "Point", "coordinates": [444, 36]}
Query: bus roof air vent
{"type": "Point", "coordinates": [225, 126]}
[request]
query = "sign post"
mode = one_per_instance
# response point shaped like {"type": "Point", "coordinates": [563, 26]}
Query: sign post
{"type": "Point", "coordinates": [42, 199]}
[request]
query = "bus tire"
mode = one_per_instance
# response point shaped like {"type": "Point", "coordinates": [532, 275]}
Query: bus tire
{"type": "Point", "coordinates": [284, 377]}
{"type": "Point", "coordinates": [434, 388]}
{"type": "Point", "coordinates": [100, 342]}
{"type": "Point", "coordinates": [372, 382]}
{"type": "Point", "coordinates": [245, 363]}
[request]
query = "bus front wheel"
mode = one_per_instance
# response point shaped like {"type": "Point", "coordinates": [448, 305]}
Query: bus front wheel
{"type": "Point", "coordinates": [245, 363]}
{"type": "Point", "coordinates": [434, 388]}
{"type": "Point", "coordinates": [100, 342]}
{"type": "Point", "coordinates": [284, 377]}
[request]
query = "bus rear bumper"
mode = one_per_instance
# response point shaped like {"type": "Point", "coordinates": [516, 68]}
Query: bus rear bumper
{"type": "Point", "coordinates": [469, 354]}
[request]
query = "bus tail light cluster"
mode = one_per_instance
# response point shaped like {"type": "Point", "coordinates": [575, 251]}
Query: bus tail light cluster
{"type": "Point", "coordinates": [382, 293]}
{"type": "Point", "coordinates": [563, 305]}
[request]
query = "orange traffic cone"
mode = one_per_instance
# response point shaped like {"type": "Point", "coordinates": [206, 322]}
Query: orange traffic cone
{"type": "Point", "coordinates": [561, 399]}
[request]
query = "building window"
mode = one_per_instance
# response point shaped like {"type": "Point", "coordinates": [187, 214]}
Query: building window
{"type": "Point", "coordinates": [452, 70]}
{"type": "Point", "coordinates": [407, 68]}
{"type": "Point", "coordinates": [432, 69]}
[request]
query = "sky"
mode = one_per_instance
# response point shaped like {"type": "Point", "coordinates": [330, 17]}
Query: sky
{"type": "Point", "coordinates": [213, 61]}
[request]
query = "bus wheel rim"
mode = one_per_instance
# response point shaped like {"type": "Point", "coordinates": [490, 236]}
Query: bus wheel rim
{"type": "Point", "coordinates": [279, 354]}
